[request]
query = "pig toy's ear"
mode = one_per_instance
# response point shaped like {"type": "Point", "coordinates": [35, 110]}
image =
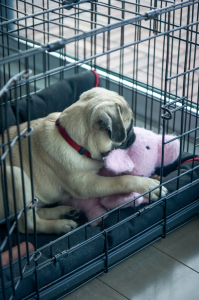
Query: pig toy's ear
{"type": "Point", "coordinates": [118, 161]}
{"type": "Point", "coordinates": [171, 150]}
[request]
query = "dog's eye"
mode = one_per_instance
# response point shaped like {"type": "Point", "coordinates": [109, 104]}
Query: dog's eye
{"type": "Point", "coordinates": [147, 147]}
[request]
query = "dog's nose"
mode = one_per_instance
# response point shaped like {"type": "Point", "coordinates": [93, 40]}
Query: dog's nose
{"type": "Point", "coordinates": [131, 136]}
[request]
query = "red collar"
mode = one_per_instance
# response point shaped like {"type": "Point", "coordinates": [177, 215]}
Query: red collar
{"type": "Point", "coordinates": [72, 143]}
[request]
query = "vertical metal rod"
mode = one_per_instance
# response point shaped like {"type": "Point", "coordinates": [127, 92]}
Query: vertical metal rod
{"type": "Point", "coordinates": [165, 218]}
{"type": "Point", "coordinates": [51, 251]}
{"type": "Point", "coordinates": [178, 63]}
{"type": "Point", "coordinates": [44, 41]}
{"type": "Point", "coordinates": [162, 73]}
{"type": "Point", "coordinates": [84, 48]}
{"type": "Point", "coordinates": [121, 64]}
{"type": "Point", "coordinates": [165, 100]}
{"type": "Point", "coordinates": [18, 46]}
{"type": "Point", "coordinates": [3, 188]}
{"type": "Point", "coordinates": [147, 81]}
{"type": "Point", "coordinates": [23, 191]}
{"type": "Point", "coordinates": [150, 198]}
{"type": "Point", "coordinates": [137, 56]}
{"type": "Point", "coordinates": [2, 277]}
{"type": "Point", "coordinates": [186, 123]}
{"type": "Point", "coordinates": [36, 281]}
{"type": "Point", "coordinates": [183, 94]}
{"type": "Point", "coordinates": [171, 64]}
{"type": "Point", "coordinates": [95, 36]}
{"type": "Point", "coordinates": [31, 176]}
{"type": "Point", "coordinates": [8, 49]}
{"type": "Point", "coordinates": [86, 233]}
{"type": "Point", "coordinates": [118, 216]}
{"type": "Point", "coordinates": [196, 125]}
{"type": "Point", "coordinates": [76, 44]}
{"type": "Point", "coordinates": [34, 61]}
{"type": "Point", "coordinates": [108, 47]}
{"type": "Point", "coordinates": [30, 156]}
{"type": "Point", "coordinates": [106, 251]}
{"type": "Point", "coordinates": [151, 114]}
{"type": "Point", "coordinates": [133, 77]}
{"type": "Point", "coordinates": [14, 196]}
{"type": "Point", "coordinates": [61, 50]}
{"type": "Point", "coordinates": [48, 35]}
{"type": "Point", "coordinates": [102, 223]}
{"type": "Point", "coordinates": [193, 76]}
{"type": "Point", "coordinates": [153, 72]}
{"type": "Point", "coordinates": [68, 241]}
{"type": "Point", "coordinates": [6, 199]}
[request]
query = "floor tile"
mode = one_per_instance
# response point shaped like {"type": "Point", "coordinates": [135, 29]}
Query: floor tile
{"type": "Point", "coordinates": [153, 275]}
{"type": "Point", "coordinates": [183, 244]}
{"type": "Point", "coordinates": [95, 290]}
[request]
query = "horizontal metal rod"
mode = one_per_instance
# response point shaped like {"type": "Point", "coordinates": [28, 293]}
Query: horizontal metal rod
{"type": "Point", "coordinates": [160, 11]}
{"type": "Point", "coordinates": [174, 101]}
{"type": "Point", "coordinates": [182, 135]}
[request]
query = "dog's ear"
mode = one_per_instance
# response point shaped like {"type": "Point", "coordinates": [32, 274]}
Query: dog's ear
{"type": "Point", "coordinates": [112, 121]}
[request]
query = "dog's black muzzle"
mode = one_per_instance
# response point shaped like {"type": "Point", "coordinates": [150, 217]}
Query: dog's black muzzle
{"type": "Point", "coordinates": [131, 136]}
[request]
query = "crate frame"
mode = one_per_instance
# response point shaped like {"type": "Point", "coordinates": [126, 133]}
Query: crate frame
{"type": "Point", "coordinates": [157, 99]}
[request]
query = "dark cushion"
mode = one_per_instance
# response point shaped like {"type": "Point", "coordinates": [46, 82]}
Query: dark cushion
{"type": "Point", "coordinates": [7, 116]}
{"type": "Point", "coordinates": [57, 97]}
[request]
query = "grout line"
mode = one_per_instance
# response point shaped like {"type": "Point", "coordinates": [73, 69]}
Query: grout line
{"type": "Point", "coordinates": [113, 289]}
{"type": "Point", "coordinates": [175, 259]}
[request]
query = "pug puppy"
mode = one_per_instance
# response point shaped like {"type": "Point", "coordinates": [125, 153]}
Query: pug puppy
{"type": "Point", "coordinates": [67, 153]}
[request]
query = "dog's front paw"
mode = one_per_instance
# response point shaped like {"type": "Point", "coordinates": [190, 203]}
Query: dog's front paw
{"type": "Point", "coordinates": [156, 177]}
{"type": "Point", "coordinates": [154, 195]}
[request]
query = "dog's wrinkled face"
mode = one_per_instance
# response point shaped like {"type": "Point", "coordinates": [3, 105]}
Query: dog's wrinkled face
{"type": "Point", "coordinates": [109, 121]}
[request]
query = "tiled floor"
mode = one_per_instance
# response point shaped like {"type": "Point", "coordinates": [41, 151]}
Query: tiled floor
{"type": "Point", "coordinates": [166, 270]}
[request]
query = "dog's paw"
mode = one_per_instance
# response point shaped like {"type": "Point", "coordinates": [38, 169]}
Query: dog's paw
{"type": "Point", "coordinates": [73, 214]}
{"type": "Point", "coordinates": [64, 226]}
{"type": "Point", "coordinates": [155, 176]}
{"type": "Point", "coordinates": [68, 226]}
{"type": "Point", "coordinates": [150, 184]}
{"type": "Point", "coordinates": [156, 195]}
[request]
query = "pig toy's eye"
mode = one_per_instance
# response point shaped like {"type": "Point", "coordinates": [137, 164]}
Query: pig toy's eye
{"type": "Point", "coordinates": [147, 147]}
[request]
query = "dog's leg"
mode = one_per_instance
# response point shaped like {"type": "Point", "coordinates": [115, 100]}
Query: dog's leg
{"type": "Point", "coordinates": [43, 226]}
{"type": "Point", "coordinates": [46, 226]}
{"type": "Point", "coordinates": [99, 186]}
{"type": "Point", "coordinates": [58, 212]}
{"type": "Point", "coordinates": [13, 190]}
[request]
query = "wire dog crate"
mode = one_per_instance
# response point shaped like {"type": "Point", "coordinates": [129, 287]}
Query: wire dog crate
{"type": "Point", "coordinates": [147, 51]}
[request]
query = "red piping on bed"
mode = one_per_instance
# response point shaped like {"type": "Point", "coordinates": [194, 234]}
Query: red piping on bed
{"type": "Point", "coordinates": [96, 78]}
{"type": "Point", "coordinates": [195, 159]}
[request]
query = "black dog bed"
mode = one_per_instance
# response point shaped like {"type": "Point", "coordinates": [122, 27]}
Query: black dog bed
{"type": "Point", "coordinates": [57, 98]}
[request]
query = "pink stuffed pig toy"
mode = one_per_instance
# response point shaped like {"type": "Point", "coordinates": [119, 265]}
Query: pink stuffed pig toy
{"type": "Point", "coordinates": [140, 159]}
